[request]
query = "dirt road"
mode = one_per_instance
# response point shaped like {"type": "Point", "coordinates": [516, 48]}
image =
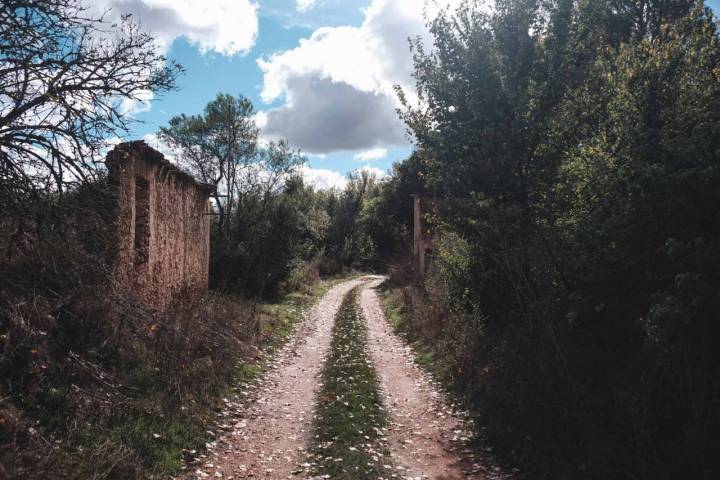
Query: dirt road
{"type": "Point", "coordinates": [267, 439]}
{"type": "Point", "coordinates": [266, 435]}
{"type": "Point", "coordinates": [426, 433]}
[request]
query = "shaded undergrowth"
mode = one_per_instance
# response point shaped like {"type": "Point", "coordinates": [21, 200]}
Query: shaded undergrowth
{"type": "Point", "coordinates": [137, 395]}
{"type": "Point", "coordinates": [349, 441]}
{"type": "Point", "coordinates": [396, 312]}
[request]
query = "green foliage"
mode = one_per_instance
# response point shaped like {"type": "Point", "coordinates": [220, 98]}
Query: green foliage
{"type": "Point", "coordinates": [575, 149]}
{"type": "Point", "coordinates": [268, 222]}
{"type": "Point", "coordinates": [387, 216]}
{"type": "Point", "coordinates": [94, 385]}
{"type": "Point", "coordinates": [345, 240]}
{"type": "Point", "coordinates": [216, 147]}
{"type": "Point", "coordinates": [275, 233]}
{"type": "Point", "coordinates": [272, 232]}
{"type": "Point", "coordinates": [370, 220]}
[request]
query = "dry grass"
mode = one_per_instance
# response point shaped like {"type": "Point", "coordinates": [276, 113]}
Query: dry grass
{"type": "Point", "coordinates": [94, 385]}
{"type": "Point", "coordinates": [349, 440]}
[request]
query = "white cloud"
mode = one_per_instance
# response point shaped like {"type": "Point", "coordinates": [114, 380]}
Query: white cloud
{"type": "Point", "coordinates": [379, 173]}
{"type": "Point", "coordinates": [369, 155]}
{"type": "Point", "coordinates": [304, 5]}
{"type": "Point", "coordinates": [323, 179]}
{"type": "Point", "coordinates": [260, 119]}
{"type": "Point", "coordinates": [143, 103]}
{"type": "Point", "coordinates": [322, 116]}
{"type": "Point", "coordinates": [228, 27]}
{"type": "Point", "coordinates": [371, 58]}
{"type": "Point", "coordinates": [170, 154]}
{"type": "Point", "coordinates": [350, 73]}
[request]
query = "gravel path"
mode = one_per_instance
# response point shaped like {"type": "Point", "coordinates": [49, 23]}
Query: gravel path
{"type": "Point", "coordinates": [264, 432]}
{"type": "Point", "coordinates": [426, 435]}
{"type": "Point", "coordinates": [266, 436]}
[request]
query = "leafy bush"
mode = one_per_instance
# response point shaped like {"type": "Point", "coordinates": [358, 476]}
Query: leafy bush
{"type": "Point", "coordinates": [574, 148]}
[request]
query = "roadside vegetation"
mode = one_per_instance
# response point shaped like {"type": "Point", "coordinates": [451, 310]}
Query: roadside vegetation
{"type": "Point", "coordinates": [404, 322]}
{"type": "Point", "coordinates": [86, 397]}
{"type": "Point", "coordinates": [573, 150]}
{"type": "Point", "coordinates": [349, 440]}
{"type": "Point", "coordinates": [94, 385]}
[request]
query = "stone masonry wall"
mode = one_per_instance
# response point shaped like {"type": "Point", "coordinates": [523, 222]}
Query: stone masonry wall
{"type": "Point", "coordinates": [162, 226]}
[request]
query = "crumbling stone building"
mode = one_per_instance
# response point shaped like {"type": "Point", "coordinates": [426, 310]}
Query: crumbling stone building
{"type": "Point", "coordinates": [162, 226]}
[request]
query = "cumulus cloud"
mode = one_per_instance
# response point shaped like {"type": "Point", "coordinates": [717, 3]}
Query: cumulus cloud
{"type": "Point", "coordinates": [228, 27]}
{"type": "Point", "coordinates": [321, 116]}
{"type": "Point", "coordinates": [154, 141]}
{"type": "Point", "coordinates": [369, 155]}
{"type": "Point", "coordinates": [323, 179]}
{"type": "Point", "coordinates": [372, 57]}
{"type": "Point", "coordinates": [349, 73]}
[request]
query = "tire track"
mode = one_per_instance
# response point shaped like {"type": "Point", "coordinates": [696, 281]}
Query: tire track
{"type": "Point", "coordinates": [268, 434]}
{"type": "Point", "coordinates": [426, 434]}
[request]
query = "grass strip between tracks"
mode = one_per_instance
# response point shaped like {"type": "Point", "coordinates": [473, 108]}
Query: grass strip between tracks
{"type": "Point", "coordinates": [349, 437]}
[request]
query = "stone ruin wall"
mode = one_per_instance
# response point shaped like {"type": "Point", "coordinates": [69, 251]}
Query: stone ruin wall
{"type": "Point", "coordinates": [162, 226]}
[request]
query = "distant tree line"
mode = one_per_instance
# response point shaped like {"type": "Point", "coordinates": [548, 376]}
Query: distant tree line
{"type": "Point", "coordinates": [272, 231]}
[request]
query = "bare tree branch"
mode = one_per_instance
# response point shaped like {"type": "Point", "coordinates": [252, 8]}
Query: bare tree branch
{"type": "Point", "coordinates": [66, 81]}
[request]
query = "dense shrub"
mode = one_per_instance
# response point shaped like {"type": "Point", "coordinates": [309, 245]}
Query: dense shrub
{"type": "Point", "coordinates": [573, 297]}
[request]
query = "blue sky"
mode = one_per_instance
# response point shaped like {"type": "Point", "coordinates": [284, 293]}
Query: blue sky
{"type": "Point", "coordinates": [320, 71]}
{"type": "Point", "coordinates": [368, 134]}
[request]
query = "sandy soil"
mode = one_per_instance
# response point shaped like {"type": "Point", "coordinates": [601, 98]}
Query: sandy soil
{"type": "Point", "coordinates": [426, 435]}
{"type": "Point", "coordinates": [265, 436]}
